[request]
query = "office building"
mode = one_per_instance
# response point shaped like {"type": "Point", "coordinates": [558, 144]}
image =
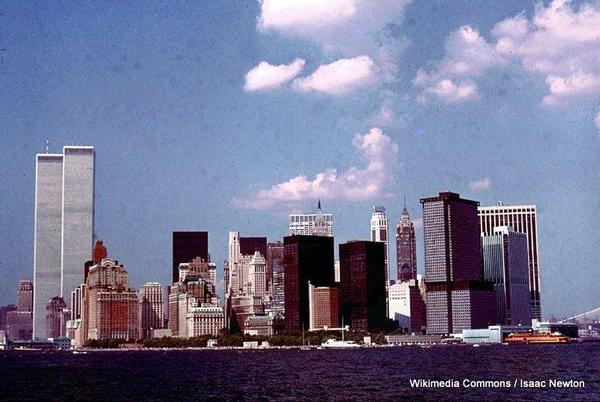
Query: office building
{"type": "Point", "coordinates": [4, 310]}
{"type": "Point", "coordinates": [317, 224]}
{"type": "Point", "coordinates": [505, 264]}
{"type": "Point", "coordinates": [306, 259]}
{"type": "Point", "coordinates": [18, 325]}
{"type": "Point", "coordinates": [406, 306]}
{"type": "Point", "coordinates": [249, 245]}
{"type": "Point", "coordinates": [186, 247]}
{"type": "Point", "coordinates": [324, 304]}
{"type": "Point", "coordinates": [111, 306]}
{"type": "Point", "coordinates": [406, 248]}
{"type": "Point", "coordinates": [379, 232]}
{"type": "Point", "coordinates": [457, 298]}
{"type": "Point", "coordinates": [201, 321]}
{"type": "Point", "coordinates": [242, 307]}
{"type": "Point", "coordinates": [150, 308]}
{"type": "Point", "coordinates": [263, 325]}
{"type": "Point", "coordinates": [523, 219]}
{"type": "Point", "coordinates": [57, 316]}
{"type": "Point", "coordinates": [257, 275]}
{"type": "Point", "coordinates": [363, 286]}
{"type": "Point", "coordinates": [275, 270]}
{"type": "Point", "coordinates": [25, 296]}
{"type": "Point", "coordinates": [64, 226]}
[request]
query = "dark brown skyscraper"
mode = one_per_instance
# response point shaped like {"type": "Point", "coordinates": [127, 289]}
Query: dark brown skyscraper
{"type": "Point", "coordinates": [406, 248]}
{"type": "Point", "coordinates": [362, 275]}
{"type": "Point", "coordinates": [306, 259]}
{"type": "Point", "coordinates": [186, 247]}
{"type": "Point", "coordinates": [248, 245]}
{"type": "Point", "coordinates": [457, 297]}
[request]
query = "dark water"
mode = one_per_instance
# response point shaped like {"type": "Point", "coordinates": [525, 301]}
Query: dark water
{"type": "Point", "coordinates": [363, 374]}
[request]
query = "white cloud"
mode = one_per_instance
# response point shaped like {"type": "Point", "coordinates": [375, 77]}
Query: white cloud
{"type": "Point", "coordinates": [597, 119]}
{"type": "Point", "coordinates": [560, 42]}
{"type": "Point", "coordinates": [355, 184]}
{"type": "Point", "coordinates": [267, 76]}
{"type": "Point", "coordinates": [451, 92]}
{"type": "Point", "coordinates": [481, 184]}
{"type": "Point", "coordinates": [347, 26]}
{"type": "Point", "coordinates": [418, 223]}
{"type": "Point", "coordinates": [392, 112]}
{"type": "Point", "coordinates": [340, 77]}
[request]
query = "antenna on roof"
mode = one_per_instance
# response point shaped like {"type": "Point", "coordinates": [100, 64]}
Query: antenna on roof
{"type": "Point", "coordinates": [47, 146]}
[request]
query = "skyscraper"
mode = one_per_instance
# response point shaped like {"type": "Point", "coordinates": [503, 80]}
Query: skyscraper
{"type": "Point", "coordinates": [248, 245]}
{"type": "Point", "coordinates": [324, 307]}
{"type": "Point", "coordinates": [379, 232]}
{"type": "Point", "coordinates": [186, 247]}
{"type": "Point", "coordinates": [57, 316]}
{"type": "Point", "coordinates": [306, 259]}
{"type": "Point", "coordinates": [523, 219]}
{"type": "Point", "coordinates": [25, 296]}
{"type": "Point", "coordinates": [317, 224]}
{"type": "Point", "coordinates": [64, 226]}
{"type": "Point", "coordinates": [275, 270]}
{"type": "Point", "coordinates": [363, 285]}
{"type": "Point", "coordinates": [406, 248]}
{"type": "Point", "coordinates": [505, 264]}
{"type": "Point", "coordinates": [257, 276]}
{"type": "Point", "coordinates": [406, 306]}
{"type": "Point", "coordinates": [150, 308]}
{"type": "Point", "coordinates": [457, 297]}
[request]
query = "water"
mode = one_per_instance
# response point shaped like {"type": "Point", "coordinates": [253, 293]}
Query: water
{"type": "Point", "coordinates": [362, 374]}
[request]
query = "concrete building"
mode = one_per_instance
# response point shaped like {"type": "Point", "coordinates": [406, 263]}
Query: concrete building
{"type": "Point", "coordinates": [406, 248]}
{"type": "Point", "coordinates": [257, 275]}
{"type": "Point", "coordinates": [64, 226]}
{"type": "Point", "coordinates": [317, 224]}
{"type": "Point", "coordinates": [457, 298]}
{"type": "Point", "coordinates": [4, 310]}
{"type": "Point", "coordinates": [363, 286]}
{"type": "Point", "coordinates": [406, 306]}
{"type": "Point", "coordinates": [204, 321]}
{"type": "Point", "coordinates": [25, 296]}
{"type": "Point", "coordinates": [111, 306]}
{"type": "Point", "coordinates": [150, 308]}
{"type": "Point", "coordinates": [379, 233]}
{"type": "Point", "coordinates": [506, 265]}
{"type": "Point", "coordinates": [523, 219]}
{"type": "Point", "coordinates": [324, 307]}
{"type": "Point", "coordinates": [263, 325]}
{"type": "Point", "coordinates": [275, 270]}
{"type": "Point", "coordinates": [18, 325]}
{"type": "Point", "coordinates": [306, 259]}
{"type": "Point", "coordinates": [186, 247]}
{"type": "Point", "coordinates": [57, 316]}
{"type": "Point", "coordinates": [492, 334]}
{"type": "Point", "coordinates": [242, 307]}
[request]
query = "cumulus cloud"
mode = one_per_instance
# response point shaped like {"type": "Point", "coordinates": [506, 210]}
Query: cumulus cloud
{"type": "Point", "coordinates": [376, 149]}
{"type": "Point", "coordinates": [481, 184]}
{"type": "Point", "coordinates": [347, 26]}
{"type": "Point", "coordinates": [340, 77]}
{"type": "Point", "coordinates": [267, 76]}
{"type": "Point", "coordinates": [450, 91]}
{"type": "Point", "coordinates": [559, 42]}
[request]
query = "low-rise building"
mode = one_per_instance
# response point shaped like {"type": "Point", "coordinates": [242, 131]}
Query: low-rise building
{"type": "Point", "coordinates": [204, 321]}
{"type": "Point", "coordinates": [263, 325]}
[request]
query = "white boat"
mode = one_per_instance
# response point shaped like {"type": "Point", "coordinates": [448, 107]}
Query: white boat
{"type": "Point", "coordinates": [335, 344]}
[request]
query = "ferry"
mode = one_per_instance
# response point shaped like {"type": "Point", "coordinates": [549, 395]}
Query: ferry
{"type": "Point", "coordinates": [335, 344]}
{"type": "Point", "coordinates": [537, 338]}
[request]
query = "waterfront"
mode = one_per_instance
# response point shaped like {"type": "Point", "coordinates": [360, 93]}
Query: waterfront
{"type": "Point", "coordinates": [292, 374]}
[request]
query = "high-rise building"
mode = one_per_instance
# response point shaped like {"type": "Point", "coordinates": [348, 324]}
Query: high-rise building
{"type": "Point", "coordinates": [207, 320]}
{"type": "Point", "coordinates": [248, 245]}
{"type": "Point", "coordinates": [306, 259]}
{"type": "Point", "coordinates": [275, 270]}
{"type": "Point", "coordinates": [457, 298]}
{"type": "Point", "coordinates": [64, 226]}
{"type": "Point", "coordinates": [505, 264]}
{"type": "Point", "coordinates": [523, 219]}
{"type": "Point", "coordinates": [257, 275]}
{"type": "Point", "coordinates": [25, 296]}
{"type": "Point", "coordinates": [151, 308]}
{"type": "Point", "coordinates": [4, 310]}
{"type": "Point", "coordinates": [363, 285]}
{"type": "Point", "coordinates": [379, 232]}
{"type": "Point", "coordinates": [324, 307]}
{"type": "Point", "coordinates": [406, 306]}
{"type": "Point", "coordinates": [406, 248]}
{"type": "Point", "coordinates": [186, 247]}
{"type": "Point", "coordinates": [57, 316]}
{"type": "Point", "coordinates": [317, 224]}
{"type": "Point", "coordinates": [110, 305]}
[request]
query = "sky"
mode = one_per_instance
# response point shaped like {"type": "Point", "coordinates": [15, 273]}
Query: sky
{"type": "Point", "coordinates": [228, 115]}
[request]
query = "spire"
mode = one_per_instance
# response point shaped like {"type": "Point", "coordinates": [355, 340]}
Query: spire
{"type": "Point", "coordinates": [47, 145]}
{"type": "Point", "coordinates": [405, 211]}
{"type": "Point", "coordinates": [319, 204]}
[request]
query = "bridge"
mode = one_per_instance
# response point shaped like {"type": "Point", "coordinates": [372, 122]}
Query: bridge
{"type": "Point", "coordinates": [585, 318]}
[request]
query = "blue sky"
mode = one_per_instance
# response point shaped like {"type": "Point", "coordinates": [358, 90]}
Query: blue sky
{"type": "Point", "coordinates": [226, 115]}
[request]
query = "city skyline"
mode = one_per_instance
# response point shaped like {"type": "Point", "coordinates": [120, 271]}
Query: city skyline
{"type": "Point", "coordinates": [189, 158]}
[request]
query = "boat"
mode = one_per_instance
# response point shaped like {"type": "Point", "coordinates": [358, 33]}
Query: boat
{"type": "Point", "coordinates": [336, 344]}
{"type": "Point", "coordinates": [537, 338]}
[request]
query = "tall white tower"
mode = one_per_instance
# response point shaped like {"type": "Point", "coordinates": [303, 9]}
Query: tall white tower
{"type": "Point", "coordinates": [379, 232]}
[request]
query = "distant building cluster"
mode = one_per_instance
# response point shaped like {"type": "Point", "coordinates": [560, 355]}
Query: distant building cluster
{"type": "Point", "coordinates": [481, 269]}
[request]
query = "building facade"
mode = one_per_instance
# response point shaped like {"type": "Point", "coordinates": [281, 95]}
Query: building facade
{"type": "Point", "coordinates": [363, 285]}
{"type": "Point", "coordinates": [457, 298]}
{"type": "Point", "coordinates": [64, 226]}
{"type": "Point", "coordinates": [205, 321]}
{"type": "Point", "coordinates": [306, 259]}
{"type": "Point", "coordinates": [406, 248]}
{"type": "Point", "coordinates": [505, 263]}
{"type": "Point", "coordinates": [324, 304]}
{"type": "Point", "coordinates": [150, 308]}
{"type": "Point", "coordinates": [379, 233]}
{"type": "Point", "coordinates": [406, 306]}
{"type": "Point", "coordinates": [317, 224]}
{"type": "Point", "coordinates": [57, 316]}
{"type": "Point", "coordinates": [275, 270]}
{"type": "Point", "coordinates": [523, 219]}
